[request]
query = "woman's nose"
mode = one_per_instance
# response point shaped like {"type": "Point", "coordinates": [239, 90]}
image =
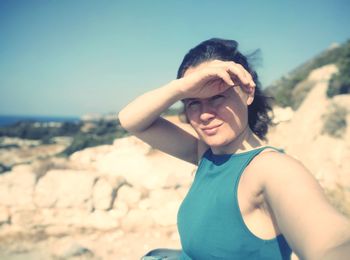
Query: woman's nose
{"type": "Point", "coordinates": [207, 113]}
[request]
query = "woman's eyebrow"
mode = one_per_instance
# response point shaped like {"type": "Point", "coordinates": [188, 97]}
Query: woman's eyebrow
{"type": "Point", "coordinates": [190, 99]}
{"type": "Point", "coordinates": [218, 95]}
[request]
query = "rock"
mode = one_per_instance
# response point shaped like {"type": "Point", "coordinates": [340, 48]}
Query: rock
{"type": "Point", "coordinates": [17, 186]}
{"type": "Point", "coordinates": [282, 114]}
{"type": "Point", "coordinates": [77, 250]}
{"type": "Point", "coordinates": [65, 189]}
{"type": "Point", "coordinates": [57, 220]}
{"type": "Point", "coordinates": [102, 195]}
{"type": "Point", "coordinates": [67, 248]}
{"type": "Point", "coordinates": [102, 220]}
{"type": "Point", "coordinates": [162, 205]}
{"type": "Point", "coordinates": [177, 180]}
{"type": "Point", "coordinates": [344, 173]}
{"type": "Point", "coordinates": [5, 189]}
{"type": "Point", "coordinates": [73, 217]}
{"type": "Point", "coordinates": [146, 204]}
{"type": "Point", "coordinates": [120, 209]}
{"type": "Point", "coordinates": [87, 158]}
{"type": "Point", "coordinates": [137, 162]}
{"type": "Point", "coordinates": [342, 100]}
{"type": "Point", "coordinates": [168, 172]}
{"type": "Point", "coordinates": [42, 166]}
{"type": "Point", "coordinates": [23, 168]}
{"type": "Point", "coordinates": [326, 175]}
{"type": "Point", "coordinates": [129, 195]}
{"type": "Point", "coordinates": [27, 219]}
{"type": "Point", "coordinates": [174, 236]}
{"type": "Point", "coordinates": [60, 230]}
{"type": "Point", "coordinates": [161, 197]}
{"type": "Point", "coordinates": [137, 220]}
{"type": "Point", "coordinates": [323, 73]}
{"type": "Point", "coordinates": [166, 215]}
{"type": "Point", "coordinates": [182, 192]}
{"type": "Point", "coordinates": [132, 144]}
{"type": "Point", "coordinates": [27, 154]}
{"type": "Point", "coordinates": [104, 192]}
{"type": "Point", "coordinates": [4, 215]}
{"type": "Point", "coordinates": [132, 165]}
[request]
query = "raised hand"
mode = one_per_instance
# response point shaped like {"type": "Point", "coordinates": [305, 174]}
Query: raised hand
{"type": "Point", "coordinates": [213, 77]}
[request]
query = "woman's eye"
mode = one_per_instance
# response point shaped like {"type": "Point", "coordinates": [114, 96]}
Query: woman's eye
{"type": "Point", "coordinates": [217, 100]}
{"type": "Point", "coordinates": [193, 105]}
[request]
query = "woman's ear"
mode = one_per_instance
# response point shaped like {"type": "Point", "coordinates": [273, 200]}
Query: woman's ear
{"type": "Point", "coordinates": [250, 94]}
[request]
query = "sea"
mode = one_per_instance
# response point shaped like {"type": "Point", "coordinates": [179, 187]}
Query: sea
{"type": "Point", "coordinates": [6, 120]}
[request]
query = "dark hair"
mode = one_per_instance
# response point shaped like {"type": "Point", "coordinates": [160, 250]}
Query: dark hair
{"type": "Point", "coordinates": [227, 50]}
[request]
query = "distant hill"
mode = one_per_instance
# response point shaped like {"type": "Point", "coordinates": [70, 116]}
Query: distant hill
{"type": "Point", "coordinates": [282, 89]}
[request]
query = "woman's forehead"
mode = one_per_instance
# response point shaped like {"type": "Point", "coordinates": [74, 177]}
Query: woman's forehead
{"type": "Point", "coordinates": [192, 69]}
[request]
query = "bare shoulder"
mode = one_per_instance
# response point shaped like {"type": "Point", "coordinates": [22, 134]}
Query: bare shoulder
{"type": "Point", "coordinates": [297, 201]}
{"type": "Point", "coordinates": [272, 154]}
{"type": "Point", "coordinates": [271, 163]}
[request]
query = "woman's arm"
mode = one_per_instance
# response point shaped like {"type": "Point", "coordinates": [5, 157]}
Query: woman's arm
{"type": "Point", "coordinates": [142, 116]}
{"type": "Point", "coordinates": [312, 227]}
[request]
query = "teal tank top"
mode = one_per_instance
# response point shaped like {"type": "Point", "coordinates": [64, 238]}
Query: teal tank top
{"type": "Point", "coordinates": [209, 220]}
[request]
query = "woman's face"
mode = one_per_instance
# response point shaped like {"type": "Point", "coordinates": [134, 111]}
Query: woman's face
{"type": "Point", "coordinates": [219, 119]}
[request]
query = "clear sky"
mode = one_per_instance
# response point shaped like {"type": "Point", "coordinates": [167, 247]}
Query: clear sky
{"type": "Point", "coordinates": [70, 57]}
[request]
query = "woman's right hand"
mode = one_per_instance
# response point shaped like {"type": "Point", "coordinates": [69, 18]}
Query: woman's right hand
{"type": "Point", "coordinates": [213, 77]}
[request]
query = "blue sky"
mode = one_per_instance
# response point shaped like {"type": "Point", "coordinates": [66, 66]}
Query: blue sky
{"type": "Point", "coordinates": [70, 57]}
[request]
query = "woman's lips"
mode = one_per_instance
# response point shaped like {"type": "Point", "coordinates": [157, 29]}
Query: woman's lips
{"type": "Point", "coordinates": [211, 130]}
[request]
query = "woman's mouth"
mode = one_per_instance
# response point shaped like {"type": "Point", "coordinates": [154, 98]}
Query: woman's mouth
{"type": "Point", "coordinates": [211, 130]}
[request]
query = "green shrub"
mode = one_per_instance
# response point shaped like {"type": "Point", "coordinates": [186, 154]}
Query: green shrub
{"type": "Point", "coordinates": [283, 94]}
{"type": "Point", "coordinates": [337, 197]}
{"type": "Point", "coordinates": [340, 82]}
{"type": "Point", "coordinates": [37, 131]}
{"type": "Point", "coordinates": [104, 133]}
{"type": "Point", "coordinates": [300, 92]}
{"type": "Point", "coordinates": [335, 121]}
{"type": "Point", "coordinates": [82, 141]}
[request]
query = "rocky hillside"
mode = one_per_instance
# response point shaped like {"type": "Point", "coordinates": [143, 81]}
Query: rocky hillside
{"type": "Point", "coordinates": [107, 202]}
{"type": "Point", "coordinates": [285, 89]}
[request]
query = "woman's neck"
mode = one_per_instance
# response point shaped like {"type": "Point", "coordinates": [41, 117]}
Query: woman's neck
{"type": "Point", "coordinates": [246, 141]}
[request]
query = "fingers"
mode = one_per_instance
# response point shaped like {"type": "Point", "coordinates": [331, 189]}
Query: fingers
{"type": "Point", "coordinates": [226, 78]}
{"type": "Point", "coordinates": [236, 72]}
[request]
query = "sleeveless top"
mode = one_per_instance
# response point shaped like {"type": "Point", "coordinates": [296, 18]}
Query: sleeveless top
{"type": "Point", "coordinates": [209, 220]}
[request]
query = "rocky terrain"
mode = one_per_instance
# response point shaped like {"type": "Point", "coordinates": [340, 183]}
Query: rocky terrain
{"type": "Point", "coordinates": [120, 200]}
{"type": "Point", "coordinates": [108, 202]}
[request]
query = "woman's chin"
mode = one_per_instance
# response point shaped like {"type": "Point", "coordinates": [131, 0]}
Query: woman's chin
{"type": "Point", "coordinates": [215, 142]}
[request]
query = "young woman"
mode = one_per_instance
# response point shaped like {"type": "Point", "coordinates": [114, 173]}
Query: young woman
{"type": "Point", "coordinates": [248, 200]}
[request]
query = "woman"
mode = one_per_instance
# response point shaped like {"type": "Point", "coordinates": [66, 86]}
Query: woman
{"type": "Point", "coordinates": [248, 200]}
